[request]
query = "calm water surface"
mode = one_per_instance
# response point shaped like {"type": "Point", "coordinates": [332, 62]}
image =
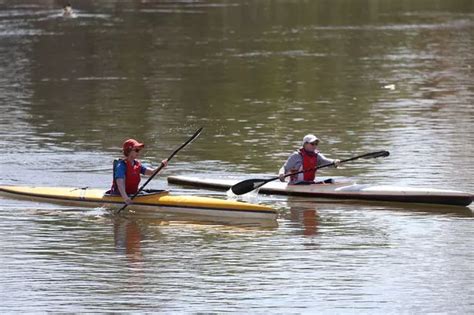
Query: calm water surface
{"type": "Point", "coordinates": [258, 75]}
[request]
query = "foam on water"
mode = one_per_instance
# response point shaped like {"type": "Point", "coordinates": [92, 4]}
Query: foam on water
{"type": "Point", "coordinates": [251, 197]}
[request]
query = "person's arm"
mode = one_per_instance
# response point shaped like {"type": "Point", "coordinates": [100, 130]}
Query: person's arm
{"type": "Point", "coordinates": [123, 192]}
{"type": "Point", "coordinates": [120, 170]}
{"type": "Point", "coordinates": [281, 173]}
{"type": "Point", "coordinates": [322, 160]}
{"type": "Point", "coordinates": [149, 171]}
{"type": "Point", "coordinates": [290, 166]}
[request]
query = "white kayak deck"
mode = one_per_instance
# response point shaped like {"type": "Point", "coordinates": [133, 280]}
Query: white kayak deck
{"type": "Point", "coordinates": [340, 189]}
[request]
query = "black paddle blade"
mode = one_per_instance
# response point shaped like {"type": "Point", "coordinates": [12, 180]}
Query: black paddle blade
{"type": "Point", "coordinates": [195, 135]}
{"type": "Point", "coordinates": [381, 154]}
{"type": "Point", "coordinates": [247, 185]}
{"type": "Point", "coordinates": [373, 155]}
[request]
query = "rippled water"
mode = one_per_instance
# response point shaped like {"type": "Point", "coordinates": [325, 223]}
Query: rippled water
{"type": "Point", "coordinates": [363, 76]}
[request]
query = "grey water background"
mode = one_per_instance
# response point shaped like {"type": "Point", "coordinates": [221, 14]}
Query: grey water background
{"type": "Point", "coordinates": [258, 75]}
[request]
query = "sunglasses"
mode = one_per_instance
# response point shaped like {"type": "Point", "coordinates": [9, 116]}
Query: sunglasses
{"type": "Point", "coordinates": [314, 143]}
{"type": "Point", "coordinates": [137, 150]}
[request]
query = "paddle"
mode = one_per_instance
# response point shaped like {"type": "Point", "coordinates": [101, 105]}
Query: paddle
{"type": "Point", "coordinates": [248, 185]}
{"type": "Point", "coordinates": [194, 136]}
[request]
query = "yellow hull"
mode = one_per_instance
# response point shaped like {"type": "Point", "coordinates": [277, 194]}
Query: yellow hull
{"type": "Point", "coordinates": [155, 202]}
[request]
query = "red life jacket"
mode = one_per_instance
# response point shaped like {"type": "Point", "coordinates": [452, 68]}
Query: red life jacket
{"type": "Point", "coordinates": [310, 161]}
{"type": "Point", "coordinates": [132, 177]}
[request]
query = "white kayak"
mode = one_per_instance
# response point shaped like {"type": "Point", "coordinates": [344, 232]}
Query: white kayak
{"type": "Point", "coordinates": [340, 190]}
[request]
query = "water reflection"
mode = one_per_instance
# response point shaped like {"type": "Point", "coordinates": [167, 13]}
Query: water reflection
{"type": "Point", "coordinates": [132, 231]}
{"type": "Point", "coordinates": [128, 238]}
{"type": "Point", "coordinates": [308, 218]}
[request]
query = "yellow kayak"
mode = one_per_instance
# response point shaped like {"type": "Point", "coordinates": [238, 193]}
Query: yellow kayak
{"type": "Point", "coordinates": [152, 201]}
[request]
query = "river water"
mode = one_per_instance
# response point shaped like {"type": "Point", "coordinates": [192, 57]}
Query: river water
{"type": "Point", "coordinates": [258, 76]}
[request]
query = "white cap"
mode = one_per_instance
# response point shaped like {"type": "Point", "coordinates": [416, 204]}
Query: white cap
{"type": "Point", "coordinates": [309, 138]}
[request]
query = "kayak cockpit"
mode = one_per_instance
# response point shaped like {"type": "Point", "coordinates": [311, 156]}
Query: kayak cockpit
{"type": "Point", "coordinates": [143, 193]}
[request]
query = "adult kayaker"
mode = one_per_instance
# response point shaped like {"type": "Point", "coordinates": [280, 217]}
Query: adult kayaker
{"type": "Point", "coordinates": [127, 170]}
{"type": "Point", "coordinates": [306, 157]}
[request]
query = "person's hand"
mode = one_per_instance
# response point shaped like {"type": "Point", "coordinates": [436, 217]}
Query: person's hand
{"type": "Point", "coordinates": [165, 162]}
{"type": "Point", "coordinates": [337, 163]}
{"type": "Point", "coordinates": [128, 201]}
{"type": "Point", "coordinates": [282, 177]}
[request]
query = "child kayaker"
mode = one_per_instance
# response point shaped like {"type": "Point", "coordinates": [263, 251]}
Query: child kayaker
{"type": "Point", "coordinates": [306, 157]}
{"type": "Point", "coordinates": [127, 170]}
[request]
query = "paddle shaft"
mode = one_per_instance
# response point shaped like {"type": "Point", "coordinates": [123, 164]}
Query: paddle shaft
{"type": "Point", "coordinates": [194, 136]}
